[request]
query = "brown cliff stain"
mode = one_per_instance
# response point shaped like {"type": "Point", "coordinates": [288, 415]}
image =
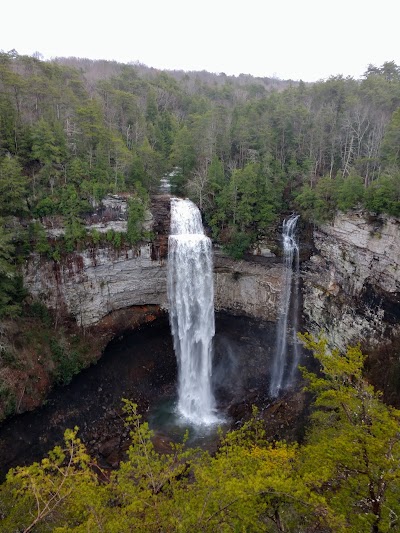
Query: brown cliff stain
{"type": "Point", "coordinates": [121, 320]}
{"type": "Point", "coordinates": [160, 208]}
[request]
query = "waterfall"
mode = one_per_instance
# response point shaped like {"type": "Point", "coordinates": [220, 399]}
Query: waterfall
{"type": "Point", "coordinates": [289, 302]}
{"type": "Point", "coordinates": [191, 310]}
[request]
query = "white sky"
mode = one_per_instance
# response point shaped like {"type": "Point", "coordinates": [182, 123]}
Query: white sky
{"type": "Point", "coordinates": [304, 39]}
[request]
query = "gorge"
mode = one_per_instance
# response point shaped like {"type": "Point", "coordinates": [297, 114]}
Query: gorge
{"type": "Point", "coordinates": [90, 154]}
{"type": "Point", "coordinates": [349, 282]}
{"type": "Point", "coordinates": [349, 270]}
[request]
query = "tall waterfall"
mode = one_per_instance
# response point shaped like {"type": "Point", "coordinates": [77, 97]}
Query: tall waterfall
{"type": "Point", "coordinates": [289, 302]}
{"type": "Point", "coordinates": [191, 310]}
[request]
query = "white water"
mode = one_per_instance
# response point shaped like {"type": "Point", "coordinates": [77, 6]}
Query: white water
{"type": "Point", "coordinates": [289, 302]}
{"type": "Point", "coordinates": [191, 310]}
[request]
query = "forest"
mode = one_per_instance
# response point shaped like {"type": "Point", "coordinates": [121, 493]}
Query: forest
{"type": "Point", "coordinates": [245, 150]}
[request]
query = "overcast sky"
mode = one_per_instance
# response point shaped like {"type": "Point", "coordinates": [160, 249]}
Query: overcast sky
{"type": "Point", "coordinates": [288, 39]}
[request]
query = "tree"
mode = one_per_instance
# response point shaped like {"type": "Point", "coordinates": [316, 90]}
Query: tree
{"type": "Point", "coordinates": [182, 151]}
{"type": "Point", "coordinates": [13, 187]}
{"type": "Point", "coordinates": [137, 206]}
{"type": "Point", "coordinates": [44, 144]}
{"type": "Point", "coordinates": [349, 192]}
{"type": "Point", "coordinates": [36, 496]}
{"type": "Point", "coordinates": [391, 141]}
{"type": "Point", "coordinates": [383, 194]}
{"type": "Point", "coordinates": [8, 305]}
{"type": "Point", "coordinates": [353, 447]}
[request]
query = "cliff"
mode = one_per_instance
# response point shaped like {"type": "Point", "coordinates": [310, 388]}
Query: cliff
{"type": "Point", "coordinates": [97, 282]}
{"type": "Point", "coordinates": [91, 284]}
{"type": "Point", "coordinates": [94, 283]}
{"type": "Point", "coordinates": [351, 285]}
{"type": "Point", "coordinates": [350, 288]}
{"type": "Point", "coordinates": [247, 287]}
{"type": "Point", "coordinates": [351, 282]}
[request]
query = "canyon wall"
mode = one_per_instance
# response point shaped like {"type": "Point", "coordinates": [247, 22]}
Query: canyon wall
{"type": "Point", "coordinates": [91, 284]}
{"type": "Point", "coordinates": [97, 282]}
{"type": "Point", "coordinates": [94, 283]}
{"type": "Point", "coordinates": [351, 284]}
{"type": "Point", "coordinates": [248, 287]}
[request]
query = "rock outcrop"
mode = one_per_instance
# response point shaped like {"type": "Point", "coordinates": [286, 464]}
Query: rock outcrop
{"type": "Point", "coordinates": [246, 287]}
{"type": "Point", "coordinates": [94, 283]}
{"type": "Point", "coordinates": [91, 284]}
{"type": "Point", "coordinates": [352, 284]}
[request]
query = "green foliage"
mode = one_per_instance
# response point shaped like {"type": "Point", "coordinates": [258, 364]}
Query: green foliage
{"type": "Point", "coordinates": [136, 213]}
{"type": "Point", "coordinates": [13, 187]}
{"type": "Point", "coordinates": [350, 192]}
{"type": "Point", "coordinates": [353, 447]}
{"type": "Point", "coordinates": [321, 202]}
{"type": "Point", "coordinates": [9, 281]}
{"type": "Point", "coordinates": [68, 362]}
{"type": "Point", "coordinates": [38, 310]}
{"type": "Point", "coordinates": [243, 151]}
{"type": "Point", "coordinates": [383, 195]}
{"type": "Point", "coordinates": [38, 494]}
{"type": "Point", "coordinates": [238, 245]}
{"type": "Point", "coordinates": [75, 232]}
{"type": "Point", "coordinates": [7, 396]}
{"type": "Point", "coordinates": [391, 141]}
{"type": "Point", "coordinates": [345, 477]}
{"type": "Point", "coordinates": [45, 207]}
{"type": "Point", "coordinates": [96, 236]}
{"type": "Point", "coordinates": [40, 239]}
{"type": "Point", "coordinates": [44, 144]}
{"type": "Point", "coordinates": [245, 204]}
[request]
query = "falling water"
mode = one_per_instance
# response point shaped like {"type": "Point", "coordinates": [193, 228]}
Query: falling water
{"type": "Point", "coordinates": [289, 302]}
{"type": "Point", "coordinates": [191, 309]}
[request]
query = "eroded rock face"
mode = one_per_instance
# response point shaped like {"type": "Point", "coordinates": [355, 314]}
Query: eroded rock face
{"type": "Point", "coordinates": [247, 288]}
{"type": "Point", "coordinates": [352, 283]}
{"type": "Point", "coordinates": [93, 283]}
{"type": "Point", "coordinates": [97, 282]}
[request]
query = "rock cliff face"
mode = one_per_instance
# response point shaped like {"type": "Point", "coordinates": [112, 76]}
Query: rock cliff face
{"type": "Point", "coordinates": [92, 284]}
{"type": "Point", "coordinates": [247, 288]}
{"type": "Point", "coordinates": [351, 285]}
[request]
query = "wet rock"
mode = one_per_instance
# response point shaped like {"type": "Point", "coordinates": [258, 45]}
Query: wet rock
{"type": "Point", "coordinates": [108, 447]}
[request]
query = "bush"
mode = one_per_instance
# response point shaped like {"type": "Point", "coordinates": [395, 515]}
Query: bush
{"type": "Point", "coordinates": [67, 363]}
{"type": "Point", "coordinates": [238, 245]}
{"type": "Point", "coordinates": [383, 195]}
{"type": "Point", "coordinates": [41, 312]}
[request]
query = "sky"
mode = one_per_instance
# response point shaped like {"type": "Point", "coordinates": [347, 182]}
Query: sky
{"type": "Point", "coordinates": [286, 39]}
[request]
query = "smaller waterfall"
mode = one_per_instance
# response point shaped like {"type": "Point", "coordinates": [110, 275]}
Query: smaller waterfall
{"type": "Point", "coordinates": [191, 310]}
{"type": "Point", "coordinates": [289, 302]}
